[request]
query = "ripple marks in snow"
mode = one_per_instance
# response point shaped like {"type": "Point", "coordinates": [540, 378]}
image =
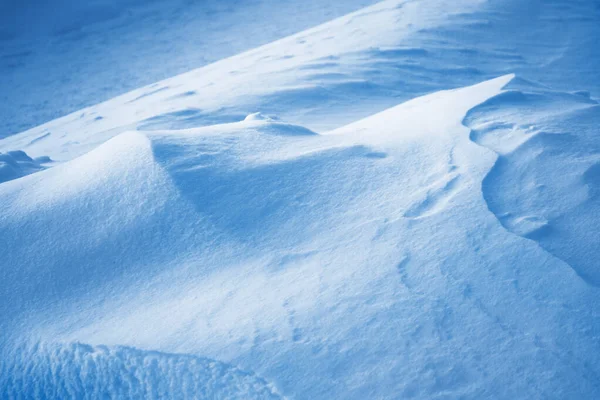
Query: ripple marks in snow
{"type": "Point", "coordinates": [79, 371]}
{"type": "Point", "coordinates": [436, 198]}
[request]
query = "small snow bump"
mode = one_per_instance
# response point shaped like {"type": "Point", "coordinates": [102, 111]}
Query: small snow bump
{"type": "Point", "coordinates": [257, 116]}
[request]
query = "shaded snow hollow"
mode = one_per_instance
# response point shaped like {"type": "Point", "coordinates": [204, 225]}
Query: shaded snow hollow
{"type": "Point", "coordinates": [15, 164]}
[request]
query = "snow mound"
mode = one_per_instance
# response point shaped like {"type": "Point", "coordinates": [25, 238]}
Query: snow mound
{"type": "Point", "coordinates": [73, 371]}
{"type": "Point", "coordinates": [15, 164]}
{"type": "Point", "coordinates": [111, 203]}
{"type": "Point", "coordinates": [229, 241]}
{"type": "Point", "coordinates": [306, 255]}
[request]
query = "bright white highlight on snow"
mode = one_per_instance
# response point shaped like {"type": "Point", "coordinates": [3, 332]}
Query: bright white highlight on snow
{"type": "Point", "coordinates": [403, 202]}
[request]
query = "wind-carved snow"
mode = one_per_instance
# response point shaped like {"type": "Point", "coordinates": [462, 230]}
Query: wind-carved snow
{"type": "Point", "coordinates": [226, 242]}
{"type": "Point", "coordinates": [544, 183]}
{"type": "Point", "coordinates": [321, 78]}
{"type": "Point", "coordinates": [79, 371]}
{"type": "Point", "coordinates": [241, 236]}
{"type": "Point", "coordinates": [16, 164]}
{"type": "Point", "coordinates": [255, 219]}
{"type": "Point", "coordinates": [144, 41]}
{"type": "Point", "coordinates": [350, 68]}
{"type": "Point", "coordinates": [436, 197]}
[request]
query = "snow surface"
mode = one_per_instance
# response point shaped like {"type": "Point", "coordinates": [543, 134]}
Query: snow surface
{"type": "Point", "coordinates": [16, 164]}
{"type": "Point", "coordinates": [80, 371]}
{"type": "Point", "coordinates": [377, 207]}
{"type": "Point", "coordinates": [59, 56]}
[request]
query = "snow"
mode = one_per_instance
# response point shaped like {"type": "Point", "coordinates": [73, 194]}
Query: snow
{"type": "Point", "coordinates": [16, 164]}
{"type": "Point", "coordinates": [543, 185]}
{"type": "Point", "coordinates": [402, 202]}
{"type": "Point", "coordinates": [61, 56]}
{"type": "Point", "coordinates": [81, 371]}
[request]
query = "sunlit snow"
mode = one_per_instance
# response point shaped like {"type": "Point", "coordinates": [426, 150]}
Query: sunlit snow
{"type": "Point", "coordinates": [402, 202]}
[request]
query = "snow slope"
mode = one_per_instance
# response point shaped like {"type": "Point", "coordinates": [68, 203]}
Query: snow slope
{"type": "Point", "coordinates": [282, 223]}
{"type": "Point", "coordinates": [59, 56]}
{"type": "Point", "coordinates": [352, 67]}
{"type": "Point", "coordinates": [205, 241]}
{"type": "Point", "coordinates": [544, 185]}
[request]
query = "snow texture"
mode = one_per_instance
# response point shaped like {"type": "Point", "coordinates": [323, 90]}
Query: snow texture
{"type": "Point", "coordinates": [402, 202]}
{"type": "Point", "coordinates": [15, 164]}
{"type": "Point", "coordinates": [78, 371]}
{"type": "Point", "coordinates": [544, 183]}
{"type": "Point", "coordinates": [114, 46]}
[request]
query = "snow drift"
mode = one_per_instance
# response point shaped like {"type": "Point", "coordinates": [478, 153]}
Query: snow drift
{"type": "Point", "coordinates": [228, 242]}
{"type": "Point", "coordinates": [305, 212]}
